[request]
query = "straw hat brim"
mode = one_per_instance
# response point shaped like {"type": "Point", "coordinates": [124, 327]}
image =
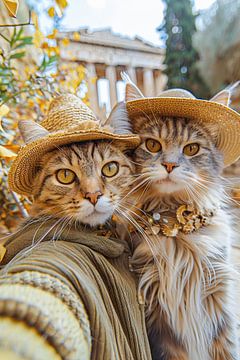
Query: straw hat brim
{"type": "Point", "coordinates": [207, 112]}
{"type": "Point", "coordinates": [23, 169]}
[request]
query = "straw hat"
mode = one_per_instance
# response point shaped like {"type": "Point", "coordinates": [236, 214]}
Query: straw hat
{"type": "Point", "coordinates": [68, 120]}
{"type": "Point", "coordinates": [181, 103]}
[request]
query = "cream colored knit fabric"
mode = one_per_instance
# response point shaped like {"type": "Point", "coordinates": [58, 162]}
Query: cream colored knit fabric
{"type": "Point", "coordinates": [59, 285]}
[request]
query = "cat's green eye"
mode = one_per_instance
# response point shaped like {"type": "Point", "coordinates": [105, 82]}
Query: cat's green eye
{"type": "Point", "coordinates": [65, 176]}
{"type": "Point", "coordinates": [191, 149]}
{"type": "Point", "coordinates": [153, 145]}
{"type": "Point", "coordinates": [110, 169]}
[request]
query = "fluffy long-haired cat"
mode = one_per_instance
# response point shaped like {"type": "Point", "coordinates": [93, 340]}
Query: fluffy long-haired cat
{"type": "Point", "coordinates": [184, 274]}
{"type": "Point", "coordinates": [80, 182]}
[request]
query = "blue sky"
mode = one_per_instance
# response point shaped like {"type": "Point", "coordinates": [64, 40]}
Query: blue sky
{"type": "Point", "coordinates": [128, 17]}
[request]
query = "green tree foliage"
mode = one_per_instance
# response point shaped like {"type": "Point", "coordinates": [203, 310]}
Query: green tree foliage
{"type": "Point", "coordinates": [218, 43]}
{"type": "Point", "coordinates": [176, 31]}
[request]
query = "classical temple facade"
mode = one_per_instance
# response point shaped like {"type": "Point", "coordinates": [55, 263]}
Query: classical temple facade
{"type": "Point", "coordinates": [105, 55]}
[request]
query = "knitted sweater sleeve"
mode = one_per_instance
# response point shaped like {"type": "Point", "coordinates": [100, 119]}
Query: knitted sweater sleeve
{"type": "Point", "coordinates": [41, 318]}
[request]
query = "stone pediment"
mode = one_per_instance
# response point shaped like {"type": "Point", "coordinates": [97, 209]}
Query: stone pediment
{"type": "Point", "coordinates": [107, 38]}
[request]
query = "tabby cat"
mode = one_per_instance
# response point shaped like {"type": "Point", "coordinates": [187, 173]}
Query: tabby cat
{"type": "Point", "coordinates": [186, 279]}
{"type": "Point", "coordinates": [80, 182]}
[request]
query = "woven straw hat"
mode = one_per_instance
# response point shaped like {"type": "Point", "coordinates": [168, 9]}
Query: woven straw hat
{"type": "Point", "coordinates": [181, 103]}
{"type": "Point", "coordinates": [68, 120]}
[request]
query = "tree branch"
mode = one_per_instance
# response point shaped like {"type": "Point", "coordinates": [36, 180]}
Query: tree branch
{"type": "Point", "coordinates": [23, 24]}
{"type": "Point", "coordinates": [4, 37]}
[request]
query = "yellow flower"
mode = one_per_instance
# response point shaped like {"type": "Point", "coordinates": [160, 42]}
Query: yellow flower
{"type": "Point", "coordinates": [5, 153]}
{"type": "Point", "coordinates": [38, 38]}
{"type": "Point", "coordinates": [54, 75]}
{"type": "Point", "coordinates": [76, 36]}
{"type": "Point", "coordinates": [62, 3]}
{"type": "Point", "coordinates": [44, 45]}
{"type": "Point", "coordinates": [35, 20]}
{"type": "Point", "coordinates": [12, 7]}
{"type": "Point", "coordinates": [30, 102]}
{"type": "Point", "coordinates": [93, 80]}
{"type": "Point", "coordinates": [57, 50]}
{"type": "Point", "coordinates": [52, 50]}
{"type": "Point", "coordinates": [53, 35]}
{"type": "Point", "coordinates": [75, 83]}
{"type": "Point", "coordinates": [4, 110]}
{"type": "Point", "coordinates": [12, 147]}
{"type": "Point", "coordinates": [51, 12]}
{"type": "Point", "coordinates": [65, 42]}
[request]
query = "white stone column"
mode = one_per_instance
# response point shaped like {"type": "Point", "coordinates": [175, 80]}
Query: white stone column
{"type": "Point", "coordinates": [160, 83]}
{"type": "Point", "coordinates": [132, 73]}
{"type": "Point", "coordinates": [111, 77]}
{"type": "Point", "coordinates": [148, 82]}
{"type": "Point", "coordinates": [92, 87]}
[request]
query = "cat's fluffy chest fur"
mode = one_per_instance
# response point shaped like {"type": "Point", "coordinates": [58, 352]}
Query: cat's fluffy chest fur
{"type": "Point", "coordinates": [186, 289]}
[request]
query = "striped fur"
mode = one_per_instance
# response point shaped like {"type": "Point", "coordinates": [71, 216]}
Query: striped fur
{"type": "Point", "coordinates": [52, 198]}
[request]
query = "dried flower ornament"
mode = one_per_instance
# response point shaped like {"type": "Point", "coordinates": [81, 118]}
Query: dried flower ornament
{"type": "Point", "coordinates": [186, 219]}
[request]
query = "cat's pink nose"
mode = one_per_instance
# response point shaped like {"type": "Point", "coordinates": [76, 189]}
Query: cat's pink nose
{"type": "Point", "coordinates": [169, 166]}
{"type": "Point", "coordinates": [93, 197]}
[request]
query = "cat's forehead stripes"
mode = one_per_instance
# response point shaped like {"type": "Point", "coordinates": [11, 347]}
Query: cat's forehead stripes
{"type": "Point", "coordinates": [84, 158]}
{"type": "Point", "coordinates": [92, 152]}
{"type": "Point", "coordinates": [81, 156]}
{"type": "Point", "coordinates": [179, 130]}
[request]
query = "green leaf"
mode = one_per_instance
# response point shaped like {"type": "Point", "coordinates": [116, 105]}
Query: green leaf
{"type": "Point", "coordinates": [18, 55]}
{"type": "Point", "coordinates": [20, 45]}
{"type": "Point", "coordinates": [18, 36]}
{"type": "Point", "coordinates": [47, 62]}
{"type": "Point", "coordinates": [27, 39]}
{"type": "Point", "coordinates": [14, 32]}
{"type": "Point", "coordinates": [12, 41]}
{"type": "Point", "coordinates": [4, 75]}
{"type": "Point", "coordinates": [23, 44]}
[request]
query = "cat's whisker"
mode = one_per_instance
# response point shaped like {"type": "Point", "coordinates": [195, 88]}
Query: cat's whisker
{"type": "Point", "coordinates": [140, 230]}
{"type": "Point", "coordinates": [134, 206]}
{"type": "Point", "coordinates": [152, 240]}
{"type": "Point", "coordinates": [146, 182]}
{"type": "Point", "coordinates": [34, 241]}
{"type": "Point", "coordinates": [224, 196]}
{"type": "Point", "coordinates": [58, 232]}
{"type": "Point", "coordinates": [141, 195]}
{"type": "Point", "coordinates": [46, 220]}
{"type": "Point", "coordinates": [27, 223]}
{"type": "Point", "coordinates": [193, 195]}
{"type": "Point", "coordinates": [137, 187]}
{"type": "Point", "coordinates": [136, 163]}
{"type": "Point", "coordinates": [146, 115]}
{"type": "Point", "coordinates": [68, 224]}
{"type": "Point", "coordinates": [23, 253]}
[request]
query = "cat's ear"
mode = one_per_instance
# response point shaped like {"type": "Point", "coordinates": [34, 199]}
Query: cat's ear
{"type": "Point", "coordinates": [118, 119]}
{"type": "Point", "coordinates": [31, 131]}
{"type": "Point", "coordinates": [132, 92]}
{"type": "Point", "coordinates": [224, 96]}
